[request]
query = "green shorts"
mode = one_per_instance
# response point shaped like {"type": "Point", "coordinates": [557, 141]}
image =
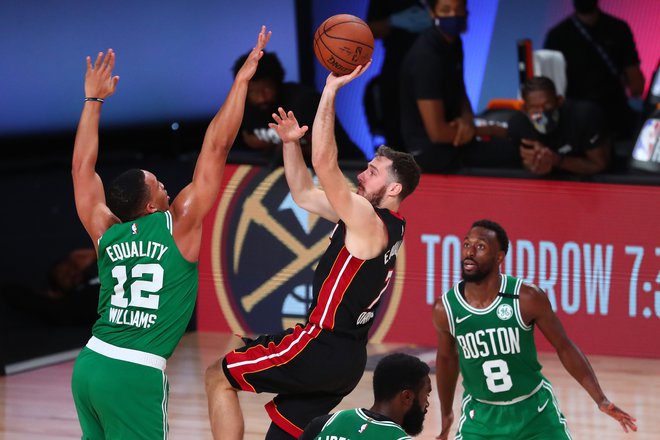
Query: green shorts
{"type": "Point", "coordinates": [537, 417]}
{"type": "Point", "coordinates": [119, 399]}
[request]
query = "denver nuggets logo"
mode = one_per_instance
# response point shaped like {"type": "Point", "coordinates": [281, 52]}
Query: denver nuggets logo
{"type": "Point", "coordinates": [264, 252]}
{"type": "Point", "coordinates": [504, 312]}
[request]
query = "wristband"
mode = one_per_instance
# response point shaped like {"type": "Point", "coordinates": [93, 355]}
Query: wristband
{"type": "Point", "coordinates": [101, 100]}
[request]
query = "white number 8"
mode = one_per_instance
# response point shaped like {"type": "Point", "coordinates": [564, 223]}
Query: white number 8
{"type": "Point", "coordinates": [138, 286]}
{"type": "Point", "coordinates": [497, 376]}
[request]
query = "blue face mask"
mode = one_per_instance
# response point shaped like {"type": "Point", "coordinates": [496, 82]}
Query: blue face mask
{"type": "Point", "coordinates": [452, 26]}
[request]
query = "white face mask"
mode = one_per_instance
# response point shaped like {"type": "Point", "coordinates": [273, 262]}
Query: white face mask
{"type": "Point", "coordinates": [545, 122]}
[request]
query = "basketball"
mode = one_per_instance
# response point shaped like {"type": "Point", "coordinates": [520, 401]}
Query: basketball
{"type": "Point", "coordinates": [342, 43]}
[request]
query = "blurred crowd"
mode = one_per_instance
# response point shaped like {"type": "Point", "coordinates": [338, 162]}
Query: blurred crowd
{"type": "Point", "coordinates": [580, 122]}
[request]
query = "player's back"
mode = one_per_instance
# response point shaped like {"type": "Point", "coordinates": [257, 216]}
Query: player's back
{"type": "Point", "coordinates": [497, 353]}
{"type": "Point", "coordinates": [148, 290]}
{"type": "Point", "coordinates": [354, 423]}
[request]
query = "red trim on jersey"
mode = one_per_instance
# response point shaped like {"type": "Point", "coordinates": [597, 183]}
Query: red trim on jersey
{"type": "Point", "coordinates": [333, 289]}
{"type": "Point", "coordinates": [396, 214]}
{"type": "Point", "coordinates": [259, 357]}
{"type": "Point", "coordinates": [281, 421]}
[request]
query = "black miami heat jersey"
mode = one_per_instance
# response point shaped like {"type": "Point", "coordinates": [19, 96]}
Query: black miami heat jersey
{"type": "Point", "coordinates": [347, 290]}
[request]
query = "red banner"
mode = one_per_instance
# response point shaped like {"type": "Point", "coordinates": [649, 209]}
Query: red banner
{"type": "Point", "coordinates": [594, 249]}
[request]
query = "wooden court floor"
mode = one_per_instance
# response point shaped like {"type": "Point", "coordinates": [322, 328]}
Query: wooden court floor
{"type": "Point", "coordinates": [37, 404]}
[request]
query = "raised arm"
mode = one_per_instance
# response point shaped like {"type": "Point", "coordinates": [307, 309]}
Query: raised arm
{"type": "Point", "coordinates": [87, 185]}
{"type": "Point", "coordinates": [366, 234]}
{"type": "Point", "coordinates": [302, 187]}
{"type": "Point", "coordinates": [446, 362]}
{"type": "Point", "coordinates": [196, 199]}
{"type": "Point", "coordinates": [535, 307]}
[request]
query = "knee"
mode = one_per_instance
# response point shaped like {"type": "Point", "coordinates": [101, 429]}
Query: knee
{"type": "Point", "coordinates": [214, 377]}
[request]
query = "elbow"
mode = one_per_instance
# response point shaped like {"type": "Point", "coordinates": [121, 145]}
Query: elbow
{"type": "Point", "coordinates": [439, 136]}
{"type": "Point", "coordinates": [322, 161]}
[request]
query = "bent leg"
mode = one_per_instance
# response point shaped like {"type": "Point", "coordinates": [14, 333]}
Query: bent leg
{"type": "Point", "coordinates": [224, 408]}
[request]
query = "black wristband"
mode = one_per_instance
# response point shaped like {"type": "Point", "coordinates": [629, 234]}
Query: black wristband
{"type": "Point", "coordinates": [101, 100]}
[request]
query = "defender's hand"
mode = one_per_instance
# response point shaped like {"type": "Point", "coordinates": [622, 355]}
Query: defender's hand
{"type": "Point", "coordinates": [249, 67]}
{"type": "Point", "coordinates": [99, 82]}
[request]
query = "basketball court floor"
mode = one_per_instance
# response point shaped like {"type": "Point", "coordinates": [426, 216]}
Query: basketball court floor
{"type": "Point", "coordinates": [37, 404]}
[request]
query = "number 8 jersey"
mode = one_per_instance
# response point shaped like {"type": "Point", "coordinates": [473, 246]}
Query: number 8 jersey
{"type": "Point", "coordinates": [496, 349]}
{"type": "Point", "coordinates": [148, 290]}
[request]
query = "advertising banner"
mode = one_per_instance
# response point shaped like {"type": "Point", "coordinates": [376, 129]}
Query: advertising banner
{"type": "Point", "coordinates": [593, 248]}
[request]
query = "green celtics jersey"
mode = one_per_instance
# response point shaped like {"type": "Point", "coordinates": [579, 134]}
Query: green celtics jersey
{"type": "Point", "coordinates": [496, 349]}
{"type": "Point", "coordinates": [148, 290]}
{"type": "Point", "coordinates": [354, 424]}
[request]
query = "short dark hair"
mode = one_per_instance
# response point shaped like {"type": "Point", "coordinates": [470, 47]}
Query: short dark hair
{"type": "Point", "coordinates": [404, 169]}
{"type": "Point", "coordinates": [500, 233]}
{"type": "Point", "coordinates": [127, 195]}
{"type": "Point", "coordinates": [397, 372]}
{"type": "Point", "coordinates": [269, 67]}
{"type": "Point", "coordinates": [538, 83]}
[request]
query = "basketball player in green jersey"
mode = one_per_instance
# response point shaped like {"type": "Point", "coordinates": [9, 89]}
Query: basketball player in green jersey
{"type": "Point", "coordinates": [485, 327]}
{"type": "Point", "coordinates": [147, 256]}
{"type": "Point", "coordinates": [401, 397]}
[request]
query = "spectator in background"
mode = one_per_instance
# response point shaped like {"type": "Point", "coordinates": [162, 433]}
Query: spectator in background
{"type": "Point", "coordinates": [437, 120]}
{"type": "Point", "coordinates": [556, 135]}
{"type": "Point", "coordinates": [397, 23]}
{"type": "Point", "coordinates": [601, 63]}
{"type": "Point", "coordinates": [71, 297]}
{"type": "Point", "coordinates": [266, 92]}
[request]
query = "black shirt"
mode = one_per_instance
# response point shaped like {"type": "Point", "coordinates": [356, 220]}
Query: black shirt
{"type": "Point", "coordinates": [580, 129]}
{"type": "Point", "coordinates": [432, 69]}
{"type": "Point", "coordinates": [303, 102]}
{"type": "Point", "coordinates": [396, 44]}
{"type": "Point", "coordinates": [588, 75]}
{"type": "Point", "coordinates": [398, 41]}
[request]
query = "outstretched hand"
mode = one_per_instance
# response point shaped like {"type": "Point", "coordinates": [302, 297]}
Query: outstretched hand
{"type": "Point", "coordinates": [99, 82]}
{"type": "Point", "coordinates": [625, 420]}
{"type": "Point", "coordinates": [252, 61]}
{"type": "Point", "coordinates": [287, 127]}
{"type": "Point", "coordinates": [336, 82]}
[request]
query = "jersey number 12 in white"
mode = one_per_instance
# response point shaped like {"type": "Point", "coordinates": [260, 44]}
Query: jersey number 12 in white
{"type": "Point", "coordinates": [118, 299]}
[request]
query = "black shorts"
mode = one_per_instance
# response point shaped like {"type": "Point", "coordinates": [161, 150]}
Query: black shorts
{"type": "Point", "coordinates": [310, 370]}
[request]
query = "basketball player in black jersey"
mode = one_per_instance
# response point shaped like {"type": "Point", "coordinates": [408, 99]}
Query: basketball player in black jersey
{"type": "Point", "coordinates": [311, 367]}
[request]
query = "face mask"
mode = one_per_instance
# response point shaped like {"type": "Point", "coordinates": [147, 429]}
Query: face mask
{"type": "Point", "coordinates": [585, 6]}
{"type": "Point", "coordinates": [545, 122]}
{"type": "Point", "coordinates": [452, 26]}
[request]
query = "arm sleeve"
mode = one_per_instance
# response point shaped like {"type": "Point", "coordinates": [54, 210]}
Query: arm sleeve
{"type": "Point", "coordinates": [630, 57]}
{"type": "Point", "coordinates": [551, 40]}
{"type": "Point", "coordinates": [593, 126]}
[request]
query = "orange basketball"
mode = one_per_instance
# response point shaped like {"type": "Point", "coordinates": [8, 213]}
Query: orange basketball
{"type": "Point", "coordinates": [342, 43]}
